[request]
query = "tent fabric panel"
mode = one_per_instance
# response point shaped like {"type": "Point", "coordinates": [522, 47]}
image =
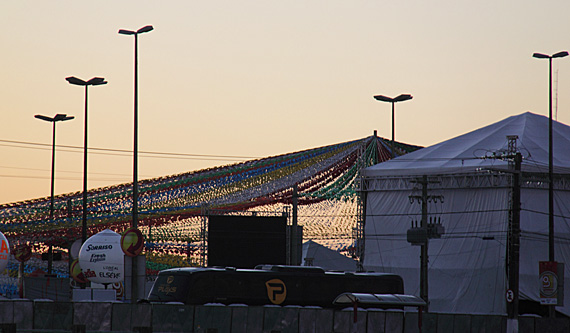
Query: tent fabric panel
{"type": "Point", "coordinates": [466, 272]}
{"type": "Point", "coordinates": [534, 240]}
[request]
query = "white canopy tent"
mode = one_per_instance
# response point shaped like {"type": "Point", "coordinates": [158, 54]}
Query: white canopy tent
{"type": "Point", "coordinates": [315, 254]}
{"type": "Point", "coordinates": [467, 266]}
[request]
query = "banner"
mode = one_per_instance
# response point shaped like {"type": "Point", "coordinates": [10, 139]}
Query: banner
{"type": "Point", "coordinates": [548, 272]}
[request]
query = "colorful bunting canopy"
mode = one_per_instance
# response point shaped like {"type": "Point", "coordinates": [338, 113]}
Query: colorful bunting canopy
{"type": "Point", "coordinates": [170, 207]}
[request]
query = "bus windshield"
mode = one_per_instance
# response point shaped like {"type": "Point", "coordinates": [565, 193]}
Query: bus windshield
{"type": "Point", "coordinates": [169, 288]}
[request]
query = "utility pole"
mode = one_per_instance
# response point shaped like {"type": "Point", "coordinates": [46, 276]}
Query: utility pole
{"type": "Point", "coordinates": [514, 231]}
{"type": "Point", "coordinates": [514, 228]}
{"type": "Point", "coordinates": [514, 237]}
{"type": "Point", "coordinates": [424, 248]}
{"type": "Point", "coordinates": [421, 235]}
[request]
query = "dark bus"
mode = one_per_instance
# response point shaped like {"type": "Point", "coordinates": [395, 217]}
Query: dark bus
{"type": "Point", "coordinates": [266, 285]}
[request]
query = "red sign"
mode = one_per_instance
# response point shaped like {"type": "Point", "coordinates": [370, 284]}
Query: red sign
{"type": "Point", "coordinates": [23, 253]}
{"type": "Point", "coordinates": [132, 242]}
{"type": "Point", "coordinates": [76, 272]}
{"type": "Point", "coordinates": [548, 271]}
{"type": "Point", "coordinates": [119, 287]}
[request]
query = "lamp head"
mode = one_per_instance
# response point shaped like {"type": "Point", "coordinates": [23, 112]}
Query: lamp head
{"type": "Point", "coordinates": [145, 29]}
{"type": "Point", "coordinates": [560, 54]}
{"type": "Point", "coordinates": [540, 56]}
{"type": "Point", "coordinates": [92, 82]}
{"type": "Point", "coordinates": [42, 117]}
{"type": "Point", "coordinates": [96, 81]}
{"type": "Point", "coordinates": [403, 97]}
{"type": "Point", "coordinates": [126, 32]}
{"type": "Point", "coordinates": [62, 117]}
{"type": "Point", "coordinates": [76, 81]}
{"type": "Point", "coordinates": [58, 117]}
{"type": "Point", "coordinates": [140, 31]}
{"type": "Point", "coordinates": [400, 98]}
{"type": "Point", "coordinates": [383, 98]}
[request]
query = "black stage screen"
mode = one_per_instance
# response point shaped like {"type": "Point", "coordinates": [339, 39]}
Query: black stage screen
{"type": "Point", "coordinates": [246, 241]}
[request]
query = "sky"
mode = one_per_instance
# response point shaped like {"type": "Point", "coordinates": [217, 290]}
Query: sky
{"type": "Point", "coordinates": [227, 81]}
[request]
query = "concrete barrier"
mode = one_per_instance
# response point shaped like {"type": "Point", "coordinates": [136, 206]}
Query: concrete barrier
{"type": "Point", "coordinates": [25, 315]}
{"type": "Point", "coordinates": [315, 320]}
{"type": "Point", "coordinates": [7, 312]}
{"type": "Point", "coordinates": [172, 318]}
{"type": "Point", "coordinates": [239, 318]}
{"type": "Point", "coordinates": [411, 322]}
{"type": "Point", "coordinates": [51, 315]}
{"type": "Point", "coordinates": [344, 321]}
{"type": "Point", "coordinates": [95, 316]}
{"type": "Point", "coordinates": [395, 321]}
{"type": "Point", "coordinates": [246, 319]}
{"type": "Point", "coordinates": [281, 319]}
{"type": "Point", "coordinates": [488, 323]}
{"type": "Point", "coordinates": [551, 325]}
{"type": "Point", "coordinates": [461, 322]}
{"type": "Point", "coordinates": [212, 318]}
{"type": "Point", "coordinates": [126, 316]}
{"type": "Point", "coordinates": [376, 320]}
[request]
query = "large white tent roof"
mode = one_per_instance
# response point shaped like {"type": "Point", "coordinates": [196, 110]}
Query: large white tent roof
{"type": "Point", "coordinates": [467, 265]}
{"type": "Point", "coordinates": [467, 152]}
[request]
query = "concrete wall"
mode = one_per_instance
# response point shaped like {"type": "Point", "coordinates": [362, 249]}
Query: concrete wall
{"type": "Point", "coordinates": [47, 315]}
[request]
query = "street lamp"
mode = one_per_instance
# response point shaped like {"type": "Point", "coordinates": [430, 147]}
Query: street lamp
{"type": "Point", "coordinates": [58, 117]}
{"type": "Point", "coordinates": [96, 81]}
{"type": "Point", "coordinates": [550, 153]}
{"type": "Point", "coordinates": [134, 224]}
{"type": "Point", "coordinates": [135, 143]}
{"type": "Point", "coordinates": [400, 98]}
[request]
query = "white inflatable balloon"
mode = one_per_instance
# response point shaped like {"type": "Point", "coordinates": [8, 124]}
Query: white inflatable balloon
{"type": "Point", "coordinates": [102, 259]}
{"type": "Point", "coordinates": [4, 252]}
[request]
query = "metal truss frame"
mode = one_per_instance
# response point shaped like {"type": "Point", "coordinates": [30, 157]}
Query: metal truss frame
{"type": "Point", "coordinates": [482, 179]}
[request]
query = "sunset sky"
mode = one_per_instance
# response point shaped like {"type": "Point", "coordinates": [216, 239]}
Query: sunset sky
{"type": "Point", "coordinates": [239, 80]}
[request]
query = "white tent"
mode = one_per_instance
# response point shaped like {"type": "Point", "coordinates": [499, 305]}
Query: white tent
{"type": "Point", "coordinates": [467, 266]}
{"type": "Point", "coordinates": [315, 254]}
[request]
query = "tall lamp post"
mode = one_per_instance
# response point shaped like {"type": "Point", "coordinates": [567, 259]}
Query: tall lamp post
{"type": "Point", "coordinates": [58, 117]}
{"type": "Point", "coordinates": [550, 158]}
{"type": "Point", "coordinates": [96, 81]}
{"type": "Point", "coordinates": [135, 143]}
{"type": "Point", "coordinates": [134, 224]}
{"type": "Point", "coordinates": [400, 98]}
{"type": "Point", "coordinates": [550, 153]}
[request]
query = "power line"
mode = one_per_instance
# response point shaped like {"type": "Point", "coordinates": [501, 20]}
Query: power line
{"type": "Point", "coordinates": [66, 178]}
{"type": "Point", "coordinates": [63, 171]}
{"type": "Point", "coordinates": [124, 152]}
{"type": "Point", "coordinates": [107, 152]}
{"type": "Point", "coordinates": [28, 176]}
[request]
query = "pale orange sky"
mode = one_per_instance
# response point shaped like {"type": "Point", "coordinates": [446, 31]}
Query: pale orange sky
{"type": "Point", "coordinates": [261, 78]}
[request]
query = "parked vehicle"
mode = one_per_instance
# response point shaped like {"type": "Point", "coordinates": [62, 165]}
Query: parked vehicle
{"type": "Point", "coordinates": [280, 285]}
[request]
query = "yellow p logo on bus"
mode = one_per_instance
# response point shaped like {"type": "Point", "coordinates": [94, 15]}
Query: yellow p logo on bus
{"type": "Point", "coordinates": [276, 291]}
